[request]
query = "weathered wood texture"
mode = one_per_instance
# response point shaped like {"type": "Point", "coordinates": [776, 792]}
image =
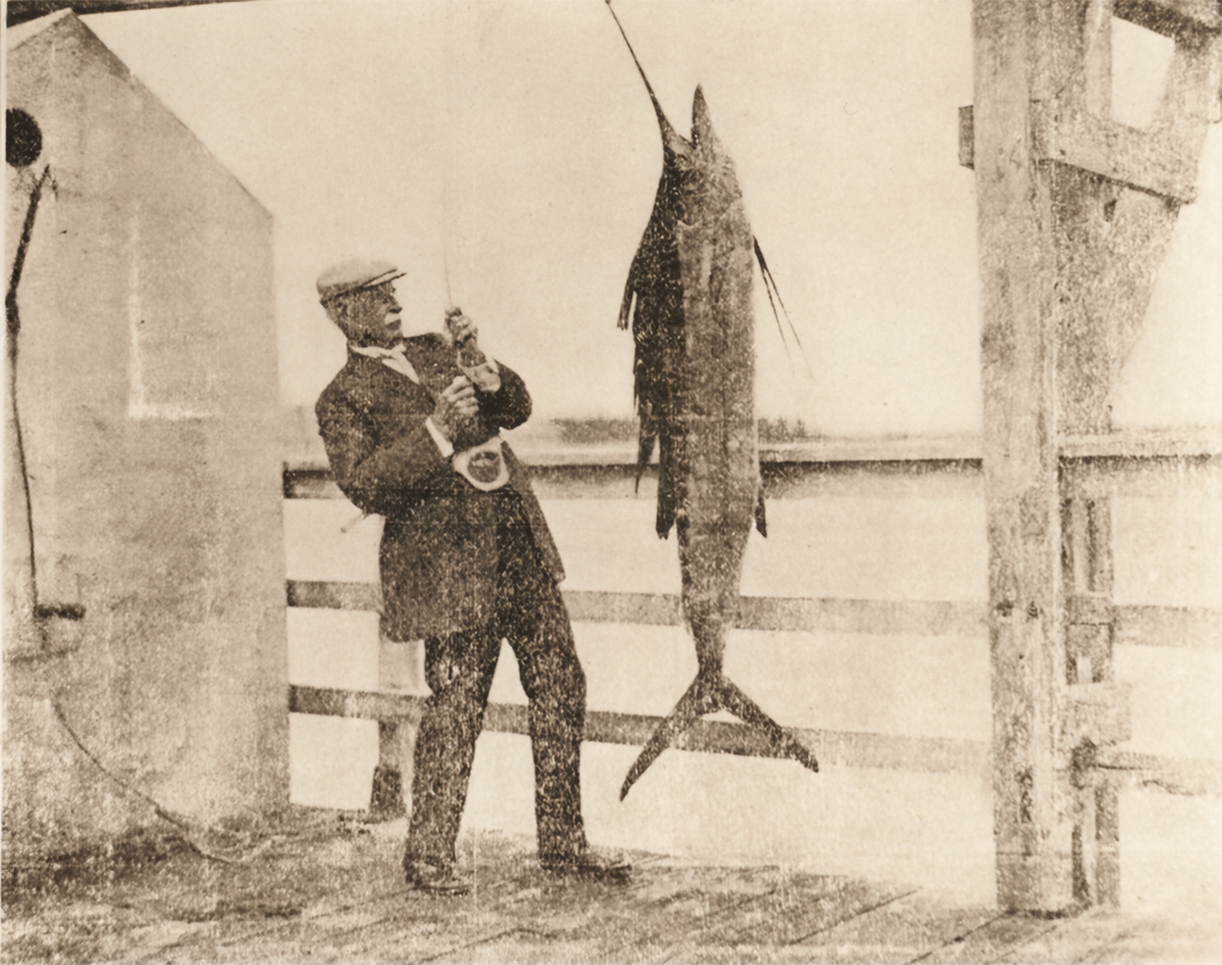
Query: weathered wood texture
{"type": "Point", "coordinates": [1093, 468]}
{"type": "Point", "coordinates": [840, 748]}
{"type": "Point", "coordinates": [755, 613]}
{"type": "Point", "coordinates": [322, 890]}
{"type": "Point", "coordinates": [1151, 626]}
{"type": "Point", "coordinates": [19, 11]}
{"type": "Point", "coordinates": [1174, 775]}
{"type": "Point", "coordinates": [1074, 214]}
{"type": "Point", "coordinates": [1131, 464]}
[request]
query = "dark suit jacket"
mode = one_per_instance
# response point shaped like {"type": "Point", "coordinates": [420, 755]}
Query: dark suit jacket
{"type": "Point", "coordinates": [439, 554]}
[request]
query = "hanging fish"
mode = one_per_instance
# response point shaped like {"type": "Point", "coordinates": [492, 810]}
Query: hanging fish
{"type": "Point", "coordinates": [688, 298]}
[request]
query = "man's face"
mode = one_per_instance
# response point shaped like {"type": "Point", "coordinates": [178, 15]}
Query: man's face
{"type": "Point", "coordinates": [371, 316]}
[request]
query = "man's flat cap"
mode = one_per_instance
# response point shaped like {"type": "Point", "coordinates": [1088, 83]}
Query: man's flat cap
{"type": "Point", "coordinates": [353, 275]}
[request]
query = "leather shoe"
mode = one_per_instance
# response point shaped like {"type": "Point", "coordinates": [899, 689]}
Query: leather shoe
{"type": "Point", "coordinates": [587, 864]}
{"type": "Point", "coordinates": [435, 879]}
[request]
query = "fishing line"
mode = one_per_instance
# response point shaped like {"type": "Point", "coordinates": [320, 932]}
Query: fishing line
{"type": "Point", "coordinates": [185, 825]}
{"type": "Point", "coordinates": [641, 70]}
{"type": "Point", "coordinates": [446, 200]}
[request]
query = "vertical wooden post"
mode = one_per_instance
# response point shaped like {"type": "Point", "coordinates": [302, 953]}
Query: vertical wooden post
{"type": "Point", "coordinates": [1032, 833]}
{"type": "Point", "coordinates": [1097, 708]}
{"type": "Point", "coordinates": [400, 668]}
{"type": "Point", "coordinates": [1074, 214]}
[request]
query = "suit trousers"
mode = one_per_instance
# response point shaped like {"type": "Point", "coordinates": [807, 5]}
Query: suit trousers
{"type": "Point", "coordinates": [531, 616]}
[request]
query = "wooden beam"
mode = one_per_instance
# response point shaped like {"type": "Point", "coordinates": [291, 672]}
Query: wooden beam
{"type": "Point", "coordinates": [1072, 119]}
{"type": "Point", "coordinates": [1075, 211]}
{"type": "Point", "coordinates": [334, 595]}
{"type": "Point", "coordinates": [887, 617]}
{"type": "Point", "coordinates": [601, 470]}
{"type": "Point", "coordinates": [788, 472]}
{"type": "Point", "coordinates": [1169, 626]}
{"type": "Point", "coordinates": [19, 11]}
{"type": "Point", "coordinates": [833, 748]}
{"type": "Point", "coordinates": [1097, 477]}
{"type": "Point", "coordinates": [1151, 626]}
{"type": "Point", "coordinates": [967, 137]}
{"type": "Point", "coordinates": [1186, 776]}
{"type": "Point", "coordinates": [1108, 240]}
{"type": "Point", "coordinates": [1170, 17]}
{"type": "Point", "coordinates": [1173, 775]}
{"type": "Point", "coordinates": [1016, 46]}
{"type": "Point", "coordinates": [1097, 712]}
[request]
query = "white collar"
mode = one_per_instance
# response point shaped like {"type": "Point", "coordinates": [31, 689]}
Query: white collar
{"type": "Point", "coordinates": [393, 358]}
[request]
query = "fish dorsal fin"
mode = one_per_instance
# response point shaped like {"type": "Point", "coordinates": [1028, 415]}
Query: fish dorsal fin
{"type": "Point", "coordinates": [703, 137]}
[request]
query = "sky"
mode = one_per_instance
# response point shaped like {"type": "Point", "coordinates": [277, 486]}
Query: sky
{"type": "Point", "coordinates": [510, 148]}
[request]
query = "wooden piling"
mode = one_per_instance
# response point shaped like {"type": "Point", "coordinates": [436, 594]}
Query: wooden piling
{"type": "Point", "coordinates": [1074, 214]}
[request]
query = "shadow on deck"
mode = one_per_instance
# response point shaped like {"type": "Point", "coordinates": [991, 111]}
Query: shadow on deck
{"type": "Point", "coordinates": [322, 889]}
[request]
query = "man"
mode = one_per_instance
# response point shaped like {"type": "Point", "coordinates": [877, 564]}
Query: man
{"type": "Point", "coordinates": [466, 560]}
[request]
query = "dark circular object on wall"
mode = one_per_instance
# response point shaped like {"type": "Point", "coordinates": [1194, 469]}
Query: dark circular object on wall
{"type": "Point", "coordinates": [23, 139]}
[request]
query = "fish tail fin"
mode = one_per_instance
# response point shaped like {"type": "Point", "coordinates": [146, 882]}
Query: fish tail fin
{"type": "Point", "coordinates": [706, 694]}
{"type": "Point", "coordinates": [729, 697]}
{"type": "Point", "coordinates": [695, 703]}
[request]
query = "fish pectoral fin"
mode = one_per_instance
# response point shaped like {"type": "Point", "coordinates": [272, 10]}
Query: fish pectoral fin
{"type": "Point", "coordinates": [697, 701]}
{"type": "Point", "coordinates": [730, 698]}
{"type": "Point", "coordinates": [625, 308]}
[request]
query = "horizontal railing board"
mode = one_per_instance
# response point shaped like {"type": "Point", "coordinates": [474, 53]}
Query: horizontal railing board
{"type": "Point", "coordinates": [1184, 776]}
{"type": "Point", "coordinates": [1156, 626]}
{"type": "Point", "coordinates": [1144, 444]}
{"type": "Point", "coordinates": [917, 617]}
{"type": "Point", "coordinates": [840, 615]}
{"type": "Point", "coordinates": [578, 480]}
{"type": "Point", "coordinates": [310, 481]}
{"type": "Point", "coordinates": [781, 613]}
{"type": "Point", "coordinates": [1169, 626]}
{"type": "Point", "coordinates": [831, 748]}
{"type": "Point", "coordinates": [1175, 775]}
{"type": "Point", "coordinates": [598, 449]}
{"type": "Point", "coordinates": [321, 595]}
{"type": "Point", "coordinates": [1159, 476]}
{"type": "Point", "coordinates": [1092, 476]}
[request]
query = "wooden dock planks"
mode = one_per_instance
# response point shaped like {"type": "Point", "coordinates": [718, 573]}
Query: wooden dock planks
{"type": "Point", "coordinates": [331, 892]}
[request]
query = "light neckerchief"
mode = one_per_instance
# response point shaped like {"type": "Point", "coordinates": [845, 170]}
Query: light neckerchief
{"type": "Point", "coordinates": [393, 358]}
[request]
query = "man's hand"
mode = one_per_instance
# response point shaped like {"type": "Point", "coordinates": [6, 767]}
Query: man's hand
{"type": "Point", "coordinates": [486, 377]}
{"type": "Point", "coordinates": [456, 406]}
{"type": "Point", "coordinates": [470, 358]}
{"type": "Point", "coordinates": [461, 327]}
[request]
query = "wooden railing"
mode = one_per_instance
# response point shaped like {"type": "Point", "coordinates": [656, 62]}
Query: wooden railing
{"type": "Point", "coordinates": [1090, 467]}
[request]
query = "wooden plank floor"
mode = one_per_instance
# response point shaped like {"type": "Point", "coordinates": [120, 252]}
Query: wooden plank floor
{"type": "Point", "coordinates": [321, 889]}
